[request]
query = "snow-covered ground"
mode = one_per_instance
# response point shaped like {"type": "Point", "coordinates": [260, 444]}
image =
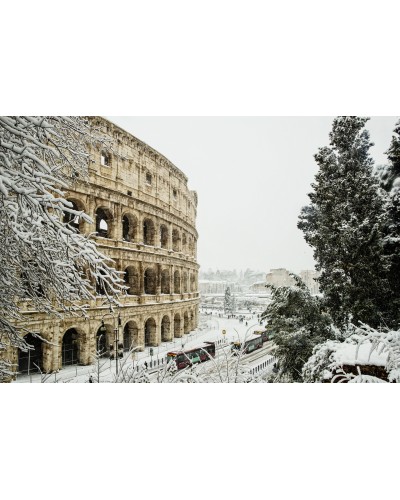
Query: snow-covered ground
{"type": "Point", "coordinates": [212, 324]}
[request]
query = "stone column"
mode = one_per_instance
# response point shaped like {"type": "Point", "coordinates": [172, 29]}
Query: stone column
{"type": "Point", "coordinates": [158, 270]}
{"type": "Point", "coordinates": [141, 278]}
{"type": "Point", "coordinates": [117, 222]}
{"type": "Point", "coordinates": [140, 229]}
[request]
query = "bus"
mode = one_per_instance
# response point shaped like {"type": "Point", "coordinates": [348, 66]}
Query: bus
{"type": "Point", "coordinates": [189, 357]}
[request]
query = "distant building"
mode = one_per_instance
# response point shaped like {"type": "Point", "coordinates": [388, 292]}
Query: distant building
{"type": "Point", "coordinates": [217, 287]}
{"type": "Point", "coordinates": [279, 277]}
{"type": "Point", "coordinates": [309, 278]}
{"type": "Point", "coordinates": [258, 287]}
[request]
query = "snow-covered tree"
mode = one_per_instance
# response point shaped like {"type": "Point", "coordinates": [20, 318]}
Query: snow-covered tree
{"type": "Point", "coordinates": [344, 225]}
{"type": "Point", "coordinates": [298, 322]}
{"type": "Point", "coordinates": [45, 263]}
{"type": "Point", "coordinates": [390, 181]}
{"type": "Point", "coordinates": [228, 301]}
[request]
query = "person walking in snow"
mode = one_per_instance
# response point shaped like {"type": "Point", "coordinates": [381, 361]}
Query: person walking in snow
{"type": "Point", "coordinates": [90, 380]}
{"type": "Point", "coordinates": [145, 365]}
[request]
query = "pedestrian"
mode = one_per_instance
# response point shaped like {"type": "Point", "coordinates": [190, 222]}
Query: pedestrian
{"type": "Point", "coordinates": [145, 365]}
{"type": "Point", "coordinates": [90, 380]}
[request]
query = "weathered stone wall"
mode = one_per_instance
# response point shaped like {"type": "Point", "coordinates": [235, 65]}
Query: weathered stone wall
{"type": "Point", "coordinates": [144, 215]}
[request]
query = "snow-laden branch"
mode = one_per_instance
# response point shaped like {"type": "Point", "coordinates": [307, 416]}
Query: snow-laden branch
{"type": "Point", "coordinates": [43, 260]}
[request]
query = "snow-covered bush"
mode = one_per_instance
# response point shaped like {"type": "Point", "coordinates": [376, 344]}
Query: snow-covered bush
{"type": "Point", "coordinates": [43, 259]}
{"type": "Point", "coordinates": [365, 346]}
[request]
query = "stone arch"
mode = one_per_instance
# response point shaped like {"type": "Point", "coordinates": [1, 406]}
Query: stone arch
{"type": "Point", "coordinates": [75, 221]}
{"type": "Point", "coordinates": [129, 227]}
{"type": "Point", "coordinates": [176, 240]}
{"type": "Point", "coordinates": [186, 328]}
{"type": "Point", "coordinates": [177, 325]}
{"type": "Point", "coordinates": [150, 281]}
{"type": "Point", "coordinates": [130, 335]}
{"type": "Point", "coordinates": [31, 361]}
{"type": "Point", "coordinates": [165, 329]}
{"type": "Point", "coordinates": [104, 338]}
{"type": "Point", "coordinates": [132, 280]}
{"type": "Point", "coordinates": [184, 282]}
{"type": "Point", "coordinates": [177, 282]}
{"type": "Point", "coordinates": [71, 347]}
{"type": "Point", "coordinates": [104, 220]}
{"type": "Point", "coordinates": [148, 232]}
{"type": "Point", "coordinates": [165, 281]}
{"type": "Point", "coordinates": [150, 332]}
{"type": "Point", "coordinates": [164, 236]}
{"type": "Point", "coordinates": [105, 158]}
{"type": "Point", "coordinates": [100, 285]}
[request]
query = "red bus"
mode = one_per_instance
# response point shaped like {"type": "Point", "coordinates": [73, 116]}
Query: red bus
{"type": "Point", "coordinates": [189, 357]}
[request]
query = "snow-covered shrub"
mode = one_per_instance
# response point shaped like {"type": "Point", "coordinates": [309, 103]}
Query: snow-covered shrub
{"type": "Point", "coordinates": [364, 347]}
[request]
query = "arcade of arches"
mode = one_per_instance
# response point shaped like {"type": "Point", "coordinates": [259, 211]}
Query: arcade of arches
{"type": "Point", "coordinates": [78, 345]}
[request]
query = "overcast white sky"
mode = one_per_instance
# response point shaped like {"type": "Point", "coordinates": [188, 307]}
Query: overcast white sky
{"type": "Point", "coordinates": [252, 176]}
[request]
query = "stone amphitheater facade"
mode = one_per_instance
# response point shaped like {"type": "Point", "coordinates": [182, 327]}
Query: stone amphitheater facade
{"type": "Point", "coordinates": [144, 215]}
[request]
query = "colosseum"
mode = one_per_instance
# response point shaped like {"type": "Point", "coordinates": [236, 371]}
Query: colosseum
{"type": "Point", "coordinates": [144, 216]}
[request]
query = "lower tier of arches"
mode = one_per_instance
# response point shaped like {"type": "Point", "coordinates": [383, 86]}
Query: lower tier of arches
{"type": "Point", "coordinates": [80, 341]}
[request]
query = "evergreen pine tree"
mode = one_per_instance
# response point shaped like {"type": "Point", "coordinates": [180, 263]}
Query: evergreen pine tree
{"type": "Point", "coordinates": [390, 181]}
{"type": "Point", "coordinates": [344, 225]}
{"type": "Point", "coordinates": [298, 322]}
{"type": "Point", "coordinates": [228, 301]}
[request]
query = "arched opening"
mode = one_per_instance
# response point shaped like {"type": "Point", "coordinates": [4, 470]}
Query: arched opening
{"type": "Point", "coordinates": [150, 281]}
{"type": "Point", "coordinates": [165, 329]}
{"type": "Point", "coordinates": [32, 360]}
{"type": "Point", "coordinates": [177, 282]}
{"type": "Point", "coordinates": [129, 227]}
{"type": "Point", "coordinates": [105, 159]}
{"type": "Point", "coordinates": [148, 232]}
{"type": "Point", "coordinates": [103, 222]}
{"type": "Point", "coordinates": [163, 236]}
{"type": "Point", "coordinates": [165, 285]}
{"type": "Point", "coordinates": [177, 325]}
{"type": "Point", "coordinates": [186, 328]}
{"type": "Point", "coordinates": [103, 338]}
{"type": "Point", "coordinates": [100, 284]}
{"type": "Point", "coordinates": [131, 278]}
{"type": "Point", "coordinates": [74, 220]}
{"type": "Point", "coordinates": [176, 240]}
{"type": "Point", "coordinates": [150, 332]}
{"type": "Point", "coordinates": [70, 347]}
{"type": "Point", "coordinates": [131, 336]}
{"type": "Point", "coordinates": [185, 282]}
